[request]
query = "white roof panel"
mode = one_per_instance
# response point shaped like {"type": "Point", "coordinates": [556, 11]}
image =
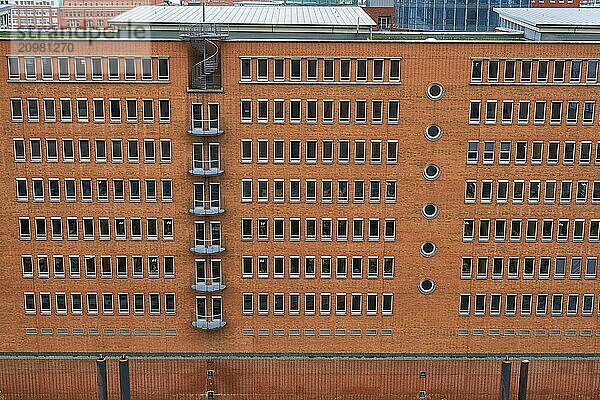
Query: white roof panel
{"type": "Point", "coordinates": [247, 15]}
{"type": "Point", "coordinates": [539, 17]}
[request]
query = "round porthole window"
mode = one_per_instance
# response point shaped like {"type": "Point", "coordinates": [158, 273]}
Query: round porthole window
{"type": "Point", "coordinates": [428, 249]}
{"type": "Point", "coordinates": [435, 91]}
{"type": "Point", "coordinates": [433, 133]}
{"type": "Point", "coordinates": [426, 286]}
{"type": "Point", "coordinates": [430, 211]}
{"type": "Point", "coordinates": [431, 172]}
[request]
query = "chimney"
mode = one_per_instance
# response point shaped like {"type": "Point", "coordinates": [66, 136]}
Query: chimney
{"type": "Point", "coordinates": [523, 376]}
{"type": "Point", "coordinates": [124, 383]}
{"type": "Point", "coordinates": [505, 380]}
{"type": "Point", "coordinates": [101, 375]}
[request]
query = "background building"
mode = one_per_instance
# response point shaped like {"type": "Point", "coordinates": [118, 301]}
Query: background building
{"type": "Point", "coordinates": [382, 12]}
{"type": "Point", "coordinates": [556, 3]}
{"type": "Point", "coordinates": [452, 15]}
{"type": "Point", "coordinates": [86, 14]}
{"type": "Point", "coordinates": [34, 14]}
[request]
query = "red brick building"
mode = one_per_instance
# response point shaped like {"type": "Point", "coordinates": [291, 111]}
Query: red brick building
{"type": "Point", "coordinates": [555, 3]}
{"type": "Point", "coordinates": [228, 189]}
{"type": "Point", "coordinates": [34, 15]}
{"type": "Point", "coordinates": [83, 14]}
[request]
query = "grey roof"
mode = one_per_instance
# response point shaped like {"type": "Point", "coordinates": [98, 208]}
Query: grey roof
{"type": "Point", "coordinates": [247, 15]}
{"type": "Point", "coordinates": [5, 8]}
{"type": "Point", "coordinates": [558, 17]}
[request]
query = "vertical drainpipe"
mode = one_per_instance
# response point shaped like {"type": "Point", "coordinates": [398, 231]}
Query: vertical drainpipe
{"type": "Point", "coordinates": [505, 380]}
{"type": "Point", "coordinates": [523, 375]}
{"type": "Point", "coordinates": [101, 376]}
{"type": "Point", "coordinates": [124, 384]}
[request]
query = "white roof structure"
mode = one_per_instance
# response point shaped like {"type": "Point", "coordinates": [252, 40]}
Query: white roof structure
{"type": "Point", "coordinates": [539, 17]}
{"type": "Point", "coordinates": [247, 15]}
{"type": "Point", "coordinates": [553, 24]}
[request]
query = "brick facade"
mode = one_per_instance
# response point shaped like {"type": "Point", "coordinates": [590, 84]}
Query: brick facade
{"type": "Point", "coordinates": [417, 323]}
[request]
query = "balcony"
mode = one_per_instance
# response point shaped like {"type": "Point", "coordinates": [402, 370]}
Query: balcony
{"type": "Point", "coordinates": [209, 323]}
{"type": "Point", "coordinates": [205, 128]}
{"type": "Point", "coordinates": [206, 168]}
{"type": "Point", "coordinates": [209, 285]}
{"type": "Point", "coordinates": [207, 247]}
{"type": "Point", "coordinates": [206, 208]}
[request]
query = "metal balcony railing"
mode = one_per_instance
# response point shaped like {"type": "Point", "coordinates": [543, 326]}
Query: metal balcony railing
{"type": "Point", "coordinates": [209, 322]}
{"type": "Point", "coordinates": [204, 30]}
{"type": "Point", "coordinates": [207, 246]}
{"type": "Point", "coordinates": [206, 208]}
{"type": "Point", "coordinates": [206, 168]}
{"type": "Point", "coordinates": [205, 127]}
{"type": "Point", "coordinates": [209, 285]}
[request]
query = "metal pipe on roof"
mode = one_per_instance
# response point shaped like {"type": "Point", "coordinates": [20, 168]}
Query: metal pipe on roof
{"type": "Point", "coordinates": [523, 375]}
{"type": "Point", "coordinates": [505, 380]}
{"type": "Point", "coordinates": [124, 382]}
{"type": "Point", "coordinates": [101, 378]}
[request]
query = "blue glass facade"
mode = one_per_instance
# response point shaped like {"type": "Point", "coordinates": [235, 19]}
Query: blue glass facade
{"type": "Point", "coordinates": [451, 15]}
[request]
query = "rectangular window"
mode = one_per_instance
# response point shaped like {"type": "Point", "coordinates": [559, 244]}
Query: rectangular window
{"type": "Point", "coordinates": [476, 71]}
{"type": "Point", "coordinates": [278, 69]}
{"type": "Point", "coordinates": [13, 68]}
{"type": "Point", "coordinates": [592, 71]}
{"type": "Point", "coordinates": [465, 302]}
{"type": "Point", "coordinates": [559, 71]}
{"type": "Point", "coordinates": [113, 68]}
{"type": "Point", "coordinates": [115, 110]}
{"type": "Point", "coordinates": [377, 112]}
{"type": "Point", "coordinates": [130, 68]}
{"type": "Point", "coordinates": [246, 69]}
{"type": "Point", "coordinates": [588, 112]}
{"type": "Point", "coordinates": [311, 69]}
{"type": "Point", "coordinates": [575, 76]}
{"type": "Point", "coordinates": [394, 70]}
{"type": "Point", "coordinates": [377, 70]}
{"type": "Point", "coordinates": [146, 69]}
{"type": "Point", "coordinates": [344, 70]}
{"type": "Point", "coordinates": [328, 69]}
{"type": "Point", "coordinates": [556, 112]}
{"type": "Point", "coordinates": [19, 150]}
{"type": "Point", "coordinates": [311, 111]}
{"type": "Point", "coordinates": [163, 69]}
{"type": "Point", "coordinates": [295, 111]}
{"type": "Point", "coordinates": [539, 112]}
{"type": "Point", "coordinates": [474, 114]}
{"type": "Point", "coordinates": [63, 68]}
{"type": "Point", "coordinates": [493, 66]}
{"type": "Point", "coordinates": [66, 114]}
{"type": "Point", "coordinates": [33, 110]}
{"type": "Point", "coordinates": [361, 70]}
{"type": "Point", "coordinates": [30, 68]}
{"type": "Point", "coordinates": [328, 110]}
{"type": "Point", "coordinates": [344, 116]}
{"type": "Point", "coordinates": [542, 72]}
{"type": "Point", "coordinates": [164, 108]}
{"type": "Point", "coordinates": [526, 71]}
{"type": "Point", "coordinates": [360, 115]}
{"type": "Point", "coordinates": [569, 153]}
{"type": "Point", "coordinates": [507, 111]}
{"type": "Point", "coordinates": [295, 69]}
{"type": "Point", "coordinates": [96, 68]}
{"type": "Point", "coordinates": [509, 70]}
{"type": "Point", "coordinates": [393, 111]}
{"type": "Point", "coordinates": [246, 111]}
{"type": "Point", "coordinates": [16, 110]}
{"type": "Point", "coordinates": [49, 110]}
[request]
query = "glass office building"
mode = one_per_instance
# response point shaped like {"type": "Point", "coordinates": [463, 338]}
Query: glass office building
{"type": "Point", "coordinates": [451, 15]}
